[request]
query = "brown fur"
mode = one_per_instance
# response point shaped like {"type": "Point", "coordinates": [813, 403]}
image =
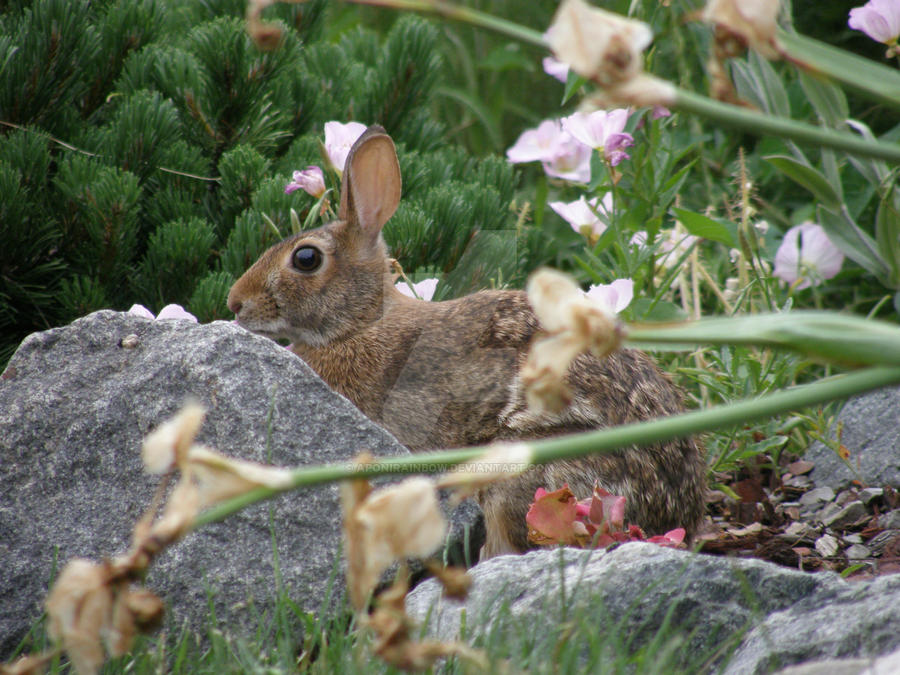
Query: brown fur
{"type": "Point", "coordinates": [445, 374]}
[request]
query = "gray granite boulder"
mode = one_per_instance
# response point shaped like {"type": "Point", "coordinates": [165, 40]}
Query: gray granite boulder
{"type": "Point", "coordinates": [75, 403]}
{"type": "Point", "coordinates": [746, 616]}
{"type": "Point", "coordinates": [871, 432]}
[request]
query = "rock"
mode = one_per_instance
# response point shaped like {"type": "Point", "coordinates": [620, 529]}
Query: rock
{"type": "Point", "coordinates": [868, 495]}
{"type": "Point", "coordinates": [827, 545]}
{"type": "Point", "coordinates": [871, 432]}
{"type": "Point", "coordinates": [848, 515]}
{"type": "Point", "coordinates": [75, 403]}
{"type": "Point", "coordinates": [817, 496]}
{"type": "Point", "coordinates": [883, 541]}
{"type": "Point", "coordinates": [857, 552]}
{"type": "Point", "coordinates": [827, 512]}
{"type": "Point", "coordinates": [798, 532]}
{"type": "Point", "coordinates": [890, 520]}
{"type": "Point", "coordinates": [779, 617]}
{"type": "Point", "coordinates": [831, 667]}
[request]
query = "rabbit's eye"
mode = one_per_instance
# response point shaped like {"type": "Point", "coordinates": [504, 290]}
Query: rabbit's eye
{"type": "Point", "coordinates": [307, 259]}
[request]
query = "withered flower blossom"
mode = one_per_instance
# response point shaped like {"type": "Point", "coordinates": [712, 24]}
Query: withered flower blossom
{"type": "Point", "coordinates": [573, 323]}
{"type": "Point", "coordinates": [607, 48]}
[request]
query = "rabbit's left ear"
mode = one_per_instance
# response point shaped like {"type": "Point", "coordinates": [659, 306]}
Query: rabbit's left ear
{"type": "Point", "coordinates": [371, 186]}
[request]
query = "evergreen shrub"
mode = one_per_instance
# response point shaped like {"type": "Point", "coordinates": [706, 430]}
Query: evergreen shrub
{"type": "Point", "coordinates": [145, 146]}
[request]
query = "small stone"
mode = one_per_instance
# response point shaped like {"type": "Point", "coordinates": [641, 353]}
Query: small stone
{"type": "Point", "coordinates": [791, 511]}
{"type": "Point", "coordinates": [849, 515]}
{"type": "Point", "coordinates": [890, 520]}
{"type": "Point", "coordinates": [817, 496]}
{"type": "Point", "coordinates": [130, 341]}
{"type": "Point", "coordinates": [800, 467]}
{"type": "Point", "coordinates": [715, 496]}
{"type": "Point", "coordinates": [798, 482]}
{"type": "Point", "coordinates": [853, 539]}
{"type": "Point", "coordinates": [845, 497]}
{"type": "Point", "coordinates": [828, 511]}
{"type": "Point", "coordinates": [858, 552]}
{"type": "Point", "coordinates": [826, 545]}
{"type": "Point", "coordinates": [868, 494]}
{"type": "Point", "coordinates": [798, 531]}
{"type": "Point", "coordinates": [882, 540]}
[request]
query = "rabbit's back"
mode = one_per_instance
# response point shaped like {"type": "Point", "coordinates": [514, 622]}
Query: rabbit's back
{"type": "Point", "coordinates": [445, 374]}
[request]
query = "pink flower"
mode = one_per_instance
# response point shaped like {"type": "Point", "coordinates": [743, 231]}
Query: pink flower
{"type": "Point", "coordinates": [807, 255]}
{"type": "Point", "coordinates": [879, 19]}
{"type": "Point", "coordinates": [424, 290]}
{"type": "Point", "coordinates": [339, 138]}
{"type": "Point", "coordinates": [616, 295]}
{"type": "Point", "coordinates": [311, 179]}
{"type": "Point", "coordinates": [571, 161]}
{"type": "Point", "coordinates": [672, 244]}
{"type": "Point", "coordinates": [169, 312]}
{"type": "Point", "coordinates": [602, 130]}
{"type": "Point", "coordinates": [585, 216]}
{"type": "Point", "coordinates": [537, 145]}
{"type": "Point", "coordinates": [561, 155]}
{"type": "Point", "coordinates": [556, 69]}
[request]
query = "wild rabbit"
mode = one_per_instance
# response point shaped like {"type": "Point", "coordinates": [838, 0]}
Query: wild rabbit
{"type": "Point", "coordinates": [445, 374]}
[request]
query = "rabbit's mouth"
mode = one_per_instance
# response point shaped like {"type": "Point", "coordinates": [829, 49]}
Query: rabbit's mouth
{"type": "Point", "coordinates": [266, 329]}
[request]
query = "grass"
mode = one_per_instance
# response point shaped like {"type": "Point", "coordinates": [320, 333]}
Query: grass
{"type": "Point", "coordinates": [581, 635]}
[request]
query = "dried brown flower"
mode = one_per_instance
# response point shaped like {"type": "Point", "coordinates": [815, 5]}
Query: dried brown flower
{"type": "Point", "coordinates": [573, 324]}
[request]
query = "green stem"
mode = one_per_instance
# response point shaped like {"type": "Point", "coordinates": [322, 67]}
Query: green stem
{"type": "Point", "coordinates": [464, 14]}
{"type": "Point", "coordinates": [579, 445]}
{"type": "Point", "coordinates": [841, 338]}
{"type": "Point", "coordinates": [687, 101]}
{"type": "Point", "coordinates": [760, 123]}
{"type": "Point", "coordinates": [870, 78]}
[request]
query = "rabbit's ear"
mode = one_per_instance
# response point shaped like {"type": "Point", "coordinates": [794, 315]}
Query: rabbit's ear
{"type": "Point", "coordinates": [370, 191]}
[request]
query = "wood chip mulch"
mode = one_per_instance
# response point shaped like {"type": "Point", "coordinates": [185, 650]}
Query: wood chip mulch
{"type": "Point", "coordinates": [782, 517]}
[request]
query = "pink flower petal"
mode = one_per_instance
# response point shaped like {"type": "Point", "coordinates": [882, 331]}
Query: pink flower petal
{"type": "Point", "coordinates": [616, 295]}
{"type": "Point", "coordinates": [141, 311]}
{"type": "Point", "coordinates": [571, 161]}
{"type": "Point", "coordinates": [311, 180]}
{"type": "Point", "coordinates": [556, 69]}
{"type": "Point", "coordinates": [537, 145]}
{"type": "Point", "coordinates": [808, 256]}
{"type": "Point", "coordinates": [583, 216]}
{"type": "Point", "coordinates": [879, 19]}
{"type": "Point", "coordinates": [339, 138]}
{"type": "Point", "coordinates": [423, 289]}
{"type": "Point", "coordinates": [175, 313]}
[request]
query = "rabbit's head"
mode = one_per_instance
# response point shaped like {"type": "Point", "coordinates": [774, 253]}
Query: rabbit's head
{"type": "Point", "coordinates": [325, 284]}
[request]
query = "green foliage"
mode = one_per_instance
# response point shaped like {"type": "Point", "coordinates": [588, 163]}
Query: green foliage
{"type": "Point", "coordinates": [177, 254]}
{"type": "Point", "coordinates": [157, 139]}
{"type": "Point", "coordinates": [207, 302]}
{"type": "Point", "coordinates": [98, 217]}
